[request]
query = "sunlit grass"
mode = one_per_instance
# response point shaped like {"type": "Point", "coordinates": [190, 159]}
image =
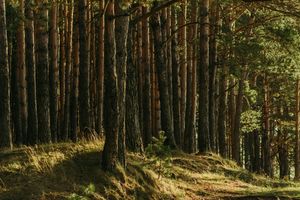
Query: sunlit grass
{"type": "Point", "coordinates": [67, 171]}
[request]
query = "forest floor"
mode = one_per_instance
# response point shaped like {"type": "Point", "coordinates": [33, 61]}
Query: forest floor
{"type": "Point", "coordinates": [73, 171]}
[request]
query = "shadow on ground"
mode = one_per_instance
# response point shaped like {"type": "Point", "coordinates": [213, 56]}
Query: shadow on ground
{"type": "Point", "coordinates": [72, 176]}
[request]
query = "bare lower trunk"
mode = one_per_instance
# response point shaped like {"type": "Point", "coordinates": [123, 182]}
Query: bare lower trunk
{"type": "Point", "coordinates": [32, 129]}
{"type": "Point", "coordinates": [236, 136]}
{"type": "Point", "coordinates": [147, 128]}
{"type": "Point", "coordinates": [175, 82]}
{"type": "Point", "coordinates": [190, 118]}
{"type": "Point", "coordinates": [5, 133]}
{"type": "Point", "coordinates": [111, 107]}
{"type": "Point", "coordinates": [122, 25]}
{"type": "Point", "coordinates": [133, 129]}
{"type": "Point", "coordinates": [183, 66]}
{"type": "Point", "coordinates": [100, 71]}
{"type": "Point", "coordinates": [266, 157]}
{"type": "Point", "coordinates": [166, 120]}
{"type": "Point", "coordinates": [43, 73]}
{"type": "Point", "coordinates": [69, 49]}
{"type": "Point", "coordinates": [222, 112]}
{"type": "Point", "coordinates": [53, 72]}
{"type": "Point", "coordinates": [203, 127]}
{"type": "Point", "coordinates": [84, 77]}
{"type": "Point", "coordinates": [297, 140]}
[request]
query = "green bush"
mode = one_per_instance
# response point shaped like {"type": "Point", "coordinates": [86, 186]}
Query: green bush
{"type": "Point", "coordinates": [160, 154]}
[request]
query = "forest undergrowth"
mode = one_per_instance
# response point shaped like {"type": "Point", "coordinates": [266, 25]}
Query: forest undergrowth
{"type": "Point", "coordinates": [73, 171]}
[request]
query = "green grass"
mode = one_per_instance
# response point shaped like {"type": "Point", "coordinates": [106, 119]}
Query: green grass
{"type": "Point", "coordinates": [73, 171]}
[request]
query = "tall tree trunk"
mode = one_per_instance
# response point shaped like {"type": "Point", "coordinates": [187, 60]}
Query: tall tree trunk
{"type": "Point", "coordinates": [5, 133]}
{"type": "Point", "coordinates": [91, 44]}
{"type": "Point", "coordinates": [236, 136]}
{"type": "Point", "coordinates": [100, 72]}
{"type": "Point", "coordinates": [154, 92]}
{"type": "Point", "coordinates": [74, 91]}
{"type": "Point", "coordinates": [213, 74]}
{"type": "Point", "coordinates": [203, 127]}
{"type": "Point", "coordinates": [175, 81]}
{"type": "Point", "coordinates": [53, 40]}
{"type": "Point", "coordinates": [266, 158]}
{"type": "Point", "coordinates": [222, 111]}
{"type": "Point", "coordinates": [297, 139]}
{"type": "Point", "coordinates": [168, 54]}
{"type": "Point", "coordinates": [32, 128]}
{"type": "Point", "coordinates": [231, 112]}
{"type": "Point", "coordinates": [183, 66]}
{"type": "Point", "coordinates": [121, 33]}
{"type": "Point", "coordinates": [166, 120]}
{"type": "Point", "coordinates": [15, 95]}
{"type": "Point", "coordinates": [283, 153]}
{"type": "Point", "coordinates": [69, 49]}
{"type": "Point", "coordinates": [22, 73]}
{"type": "Point", "coordinates": [147, 129]}
{"type": "Point", "coordinates": [139, 61]}
{"type": "Point", "coordinates": [43, 72]}
{"type": "Point", "coordinates": [133, 130]}
{"type": "Point", "coordinates": [84, 92]}
{"type": "Point", "coordinates": [251, 151]}
{"type": "Point", "coordinates": [111, 107]}
{"type": "Point", "coordinates": [256, 144]}
{"type": "Point", "coordinates": [189, 134]}
{"type": "Point", "coordinates": [245, 154]}
{"type": "Point", "coordinates": [62, 67]}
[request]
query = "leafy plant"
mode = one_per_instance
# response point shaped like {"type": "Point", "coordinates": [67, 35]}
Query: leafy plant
{"type": "Point", "coordinates": [160, 154]}
{"type": "Point", "coordinates": [86, 193]}
{"type": "Point", "coordinates": [251, 121]}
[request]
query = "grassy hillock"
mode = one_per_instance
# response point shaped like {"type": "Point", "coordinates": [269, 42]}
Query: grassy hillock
{"type": "Point", "coordinates": [73, 171]}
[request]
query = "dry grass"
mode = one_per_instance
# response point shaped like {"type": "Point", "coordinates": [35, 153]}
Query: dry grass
{"type": "Point", "coordinates": [72, 171]}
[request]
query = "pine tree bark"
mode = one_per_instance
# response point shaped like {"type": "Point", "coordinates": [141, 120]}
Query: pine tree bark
{"type": "Point", "coordinates": [53, 40]}
{"type": "Point", "coordinates": [154, 92]}
{"type": "Point", "coordinates": [100, 72]}
{"type": "Point", "coordinates": [15, 95]}
{"type": "Point", "coordinates": [183, 66]}
{"type": "Point", "coordinates": [297, 140]}
{"type": "Point", "coordinates": [256, 144]}
{"type": "Point", "coordinates": [231, 112]}
{"type": "Point", "coordinates": [266, 158]}
{"type": "Point", "coordinates": [213, 59]}
{"type": "Point", "coordinates": [84, 77]}
{"type": "Point", "coordinates": [74, 91]}
{"type": "Point", "coordinates": [147, 129]}
{"type": "Point", "coordinates": [236, 136]}
{"type": "Point", "coordinates": [111, 107]}
{"type": "Point", "coordinates": [139, 61]}
{"type": "Point", "coordinates": [134, 141]}
{"type": "Point", "coordinates": [22, 74]}
{"type": "Point", "coordinates": [189, 134]}
{"type": "Point", "coordinates": [246, 151]}
{"type": "Point", "coordinates": [166, 120]}
{"type": "Point", "coordinates": [168, 44]}
{"type": "Point", "coordinates": [69, 50]}
{"type": "Point", "coordinates": [91, 50]}
{"type": "Point", "coordinates": [62, 67]}
{"type": "Point", "coordinates": [32, 128]}
{"type": "Point", "coordinates": [43, 72]}
{"type": "Point", "coordinates": [203, 127]}
{"type": "Point", "coordinates": [175, 80]}
{"type": "Point", "coordinates": [121, 34]}
{"type": "Point", "coordinates": [283, 153]}
{"type": "Point", "coordinates": [5, 133]}
{"type": "Point", "coordinates": [222, 111]}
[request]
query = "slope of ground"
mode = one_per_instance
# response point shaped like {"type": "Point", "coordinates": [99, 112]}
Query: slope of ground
{"type": "Point", "coordinates": [72, 171]}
